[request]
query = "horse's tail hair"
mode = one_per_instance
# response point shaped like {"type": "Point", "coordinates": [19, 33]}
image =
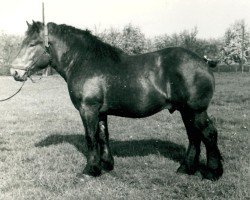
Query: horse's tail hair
{"type": "Point", "coordinates": [211, 63]}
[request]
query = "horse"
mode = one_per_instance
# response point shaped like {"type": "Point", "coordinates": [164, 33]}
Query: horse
{"type": "Point", "coordinates": [102, 80]}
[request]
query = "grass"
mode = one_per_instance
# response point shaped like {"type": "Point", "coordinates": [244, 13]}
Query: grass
{"type": "Point", "coordinates": [42, 147]}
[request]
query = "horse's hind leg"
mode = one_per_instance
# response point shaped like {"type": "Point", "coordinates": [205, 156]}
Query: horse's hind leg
{"type": "Point", "coordinates": [90, 118]}
{"type": "Point", "coordinates": [200, 127]}
{"type": "Point", "coordinates": [190, 163]}
{"type": "Point", "coordinates": [209, 138]}
{"type": "Point", "coordinates": [107, 160]}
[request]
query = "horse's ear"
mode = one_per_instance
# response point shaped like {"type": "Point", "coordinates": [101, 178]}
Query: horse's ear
{"type": "Point", "coordinates": [36, 26]}
{"type": "Point", "coordinates": [28, 24]}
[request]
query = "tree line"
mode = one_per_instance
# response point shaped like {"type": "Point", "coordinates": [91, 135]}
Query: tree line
{"type": "Point", "coordinates": [231, 49]}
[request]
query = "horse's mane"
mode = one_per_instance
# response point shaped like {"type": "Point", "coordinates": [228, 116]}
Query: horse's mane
{"type": "Point", "coordinates": [80, 40]}
{"type": "Point", "coordinates": [92, 44]}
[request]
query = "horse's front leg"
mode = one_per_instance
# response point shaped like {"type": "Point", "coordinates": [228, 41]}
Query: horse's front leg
{"type": "Point", "coordinates": [107, 160]}
{"type": "Point", "coordinates": [90, 119]}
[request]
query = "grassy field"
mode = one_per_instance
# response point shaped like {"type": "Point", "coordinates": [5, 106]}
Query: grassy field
{"type": "Point", "coordinates": [42, 147]}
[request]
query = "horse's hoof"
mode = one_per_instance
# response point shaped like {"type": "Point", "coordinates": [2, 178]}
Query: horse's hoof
{"type": "Point", "coordinates": [212, 174]}
{"type": "Point", "coordinates": [107, 166]}
{"type": "Point", "coordinates": [183, 169]}
{"type": "Point", "coordinates": [92, 170]}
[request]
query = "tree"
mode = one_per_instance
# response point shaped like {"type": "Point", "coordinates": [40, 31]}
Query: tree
{"type": "Point", "coordinates": [131, 40]}
{"type": "Point", "coordinates": [134, 40]}
{"type": "Point", "coordinates": [186, 39]}
{"type": "Point", "coordinates": [164, 41]}
{"type": "Point", "coordinates": [189, 40]}
{"type": "Point", "coordinates": [236, 44]}
{"type": "Point", "coordinates": [111, 36]}
{"type": "Point", "coordinates": [9, 47]}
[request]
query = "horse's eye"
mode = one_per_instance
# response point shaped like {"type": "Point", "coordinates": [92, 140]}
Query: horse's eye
{"type": "Point", "coordinates": [32, 45]}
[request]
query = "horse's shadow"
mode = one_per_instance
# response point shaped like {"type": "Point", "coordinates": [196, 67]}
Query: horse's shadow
{"type": "Point", "coordinates": [127, 148]}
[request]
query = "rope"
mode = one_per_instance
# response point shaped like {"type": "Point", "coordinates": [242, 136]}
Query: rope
{"type": "Point", "coordinates": [46, 51]}
{"type": "Point", "coordinates": [35, 81]}
{"type": "Point", "coordinates": [1, 100]}
{"type": "Point", "coordinates": [32, 80]}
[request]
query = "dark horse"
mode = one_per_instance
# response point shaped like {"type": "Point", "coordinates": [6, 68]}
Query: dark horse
{"type": "Point", "coordinates": [103, 80]}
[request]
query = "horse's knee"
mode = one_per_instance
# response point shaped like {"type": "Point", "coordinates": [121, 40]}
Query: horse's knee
{"type": "Point", "coordinates": [208, 131]}
{"type": "Point", "coordinates": [210, 135]}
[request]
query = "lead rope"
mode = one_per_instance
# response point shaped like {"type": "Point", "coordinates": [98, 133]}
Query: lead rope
{"type": "Point", "coordinates": [33, 81]}
{"type": "Point", "coordinates": [5, 99]}
{"type": "Point", "coordinates": [1, 100]}
{"type": "Point", "coordinates": [46, 41]}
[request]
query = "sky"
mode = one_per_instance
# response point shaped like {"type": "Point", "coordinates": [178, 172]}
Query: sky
{"type": "Point", "coordinates": [154, 17]}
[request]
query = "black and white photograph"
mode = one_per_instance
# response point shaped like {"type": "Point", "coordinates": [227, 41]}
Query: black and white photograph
{"type": "Point", "coordinates": [115, 99]}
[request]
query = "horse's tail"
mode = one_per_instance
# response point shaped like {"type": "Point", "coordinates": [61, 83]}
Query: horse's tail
{"type": "Point", "coordinates": [211, 63]}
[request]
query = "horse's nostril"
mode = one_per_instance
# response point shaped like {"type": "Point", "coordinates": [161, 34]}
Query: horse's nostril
{"type": "Point", "coordinates": [15, 74]}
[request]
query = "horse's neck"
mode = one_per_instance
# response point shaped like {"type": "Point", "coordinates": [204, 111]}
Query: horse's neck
{"type": "Point", "coordinates": [63, 58]}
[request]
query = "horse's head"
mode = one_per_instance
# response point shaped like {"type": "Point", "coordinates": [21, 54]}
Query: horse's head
{"type": "Point", "coordinates": [33, 55]}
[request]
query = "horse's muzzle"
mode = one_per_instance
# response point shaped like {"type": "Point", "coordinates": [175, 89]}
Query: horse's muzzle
{"type": "Point", "coordinates": [18, 74]}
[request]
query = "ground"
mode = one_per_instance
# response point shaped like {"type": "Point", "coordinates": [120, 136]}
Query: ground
{"type": "Point", "coordinates": [42, 147]}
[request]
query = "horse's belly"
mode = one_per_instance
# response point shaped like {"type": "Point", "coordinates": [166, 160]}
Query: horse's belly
{"type": "Point", "coordinates": [138, 106]}
{"type": "Point", "coordinates": [131, 113]}
{"type": "Point", "coordinates": [137, 97]}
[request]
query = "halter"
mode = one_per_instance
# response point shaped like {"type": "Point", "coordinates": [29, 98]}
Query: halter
{"type": "Point", "coordinates": [27, 70]}
{"type": "Point", "coordinates": [46, 51]}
